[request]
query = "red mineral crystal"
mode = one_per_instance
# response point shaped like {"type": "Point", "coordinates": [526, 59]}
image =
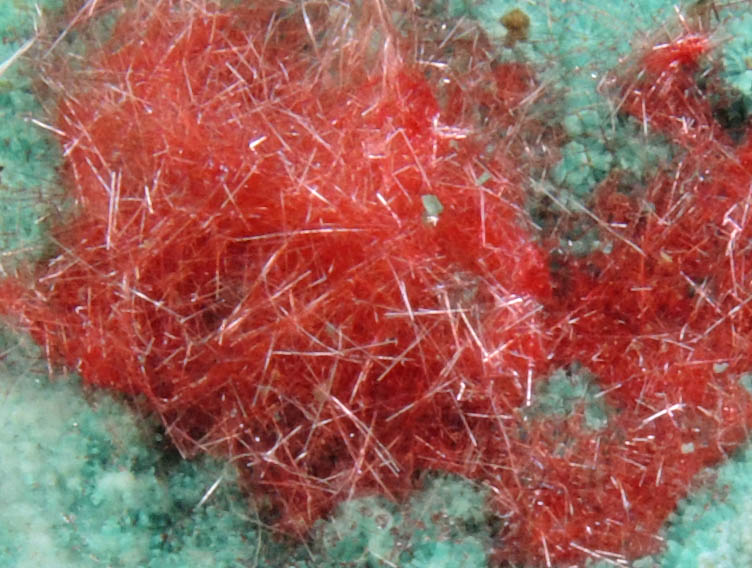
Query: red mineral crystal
{"type": "Point", "coordinates": [284, 247]}
{"type": "Point", "coordinates": [299, 235]}
{"type": "Point", "coordinates": [662, 319]}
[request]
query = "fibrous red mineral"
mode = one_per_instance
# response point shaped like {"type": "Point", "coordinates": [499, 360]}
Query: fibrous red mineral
{"type": "Point", "coordinates": [662, 318]}
{"type": "Point", "coordinates": [300, 236]}
{"type": "Point", "coordinates": [281, 244]}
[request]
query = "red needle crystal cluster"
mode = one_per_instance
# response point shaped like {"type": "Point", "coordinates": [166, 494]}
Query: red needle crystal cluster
{"type": "Point", "coordinates": [285, 247]}
{"type": "Point", "coordinates": [300, 237]}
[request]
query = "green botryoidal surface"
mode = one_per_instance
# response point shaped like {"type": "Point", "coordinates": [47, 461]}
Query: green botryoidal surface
{"type": "Point", "coordinates": [711, 527]}
{"type": "Point", "coordinates": [572, 46]}
{"type": "Point", "coordinates": [443, 526]}
{"type": "Point", "coordinates": [27, 156]}
{"type": "Point", "coordinates": [87, 482]}
{"type": "Point", "coordinates": [570, 391]}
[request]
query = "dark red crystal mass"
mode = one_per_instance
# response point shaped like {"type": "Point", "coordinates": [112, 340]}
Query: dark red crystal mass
{"type": "Point", "coordinates": [281, 244]}
{"type": "Point", "coordinates": [300, 236]}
